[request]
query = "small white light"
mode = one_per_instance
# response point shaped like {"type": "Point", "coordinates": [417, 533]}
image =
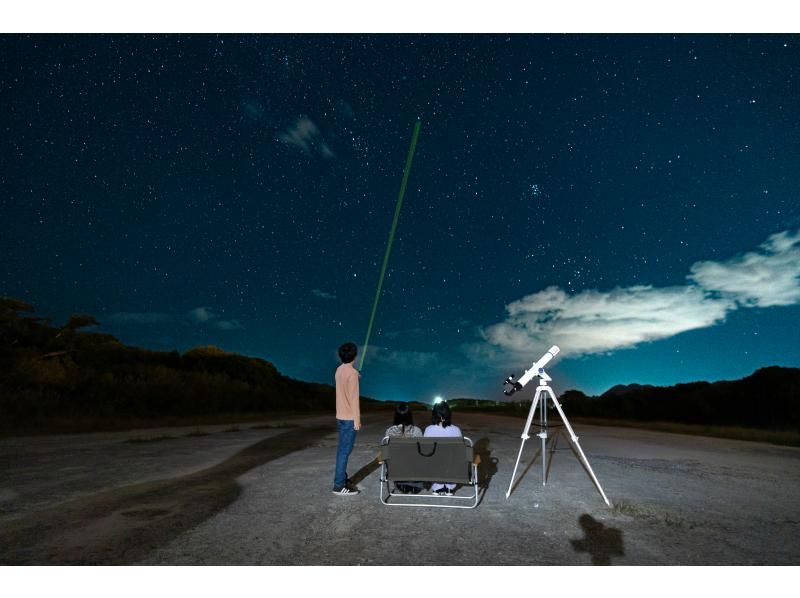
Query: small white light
{"type": "Point", "coordinates": [437, 399]}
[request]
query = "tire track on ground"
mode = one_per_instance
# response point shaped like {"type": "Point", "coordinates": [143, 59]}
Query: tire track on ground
{"type": "Point", "coordinates": [123, 525]}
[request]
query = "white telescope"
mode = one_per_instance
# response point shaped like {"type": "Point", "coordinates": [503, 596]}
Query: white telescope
{"type": "Point", "coordinates": [537, 369]}
{"type": "Point", "coordinates": [544, 392]}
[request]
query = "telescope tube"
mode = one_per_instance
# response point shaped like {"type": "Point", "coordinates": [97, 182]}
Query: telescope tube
{"type": "Point", "coordinates": [543, 361]}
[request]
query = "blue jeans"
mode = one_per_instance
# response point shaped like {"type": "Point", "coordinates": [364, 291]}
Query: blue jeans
{"type": "Point", "coordinates": [347, 438]}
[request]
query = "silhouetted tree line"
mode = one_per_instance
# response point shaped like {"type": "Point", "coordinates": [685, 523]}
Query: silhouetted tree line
{"type": "Point", "coordinates": [769, 398]}
{"type": "Point", "coordinates": [52, 373]}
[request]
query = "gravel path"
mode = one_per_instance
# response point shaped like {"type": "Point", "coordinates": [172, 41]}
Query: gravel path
{"type": "Point", "coordinates": [262, 496]}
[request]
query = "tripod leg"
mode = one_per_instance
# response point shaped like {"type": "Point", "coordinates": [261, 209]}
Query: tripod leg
{"type": "Point", "coordinates": [580, 450]}
{"type": "Point", "coordinates": [524, 438]}
{"type": "Point", "coordinates": [543, 436]}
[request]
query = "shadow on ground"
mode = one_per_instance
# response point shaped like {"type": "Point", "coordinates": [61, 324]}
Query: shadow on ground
{"type": "Point", "coordinates": [124, 525]}
{"type": "Point", "coordinates": [599, 541]}
{"type": "Point", "coordinates": [362, 473]}
{"type": "Point", "coordinates": [488, 465]}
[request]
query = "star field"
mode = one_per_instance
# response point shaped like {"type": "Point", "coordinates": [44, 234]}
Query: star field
{"type": "Point", "coordinates": [239, 190]}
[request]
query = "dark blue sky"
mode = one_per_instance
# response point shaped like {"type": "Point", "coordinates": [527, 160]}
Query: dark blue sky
{"type": "Point", "coordinates": [632, 198]}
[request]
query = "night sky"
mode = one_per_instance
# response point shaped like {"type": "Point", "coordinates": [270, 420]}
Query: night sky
{"type": "Point", "coordinates": [631, 198]}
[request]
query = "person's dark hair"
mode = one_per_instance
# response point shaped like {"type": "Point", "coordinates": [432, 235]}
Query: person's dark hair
{"type": "Point", "coordinates": [348, 352]}
{"type": "Point", "coordinates": [441, 414]}
{"type": "Point", "coordinates": [402, 416]}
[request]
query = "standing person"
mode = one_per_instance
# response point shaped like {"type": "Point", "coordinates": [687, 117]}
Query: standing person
{"type": "Point", "coordinates": [348, 416]}
{"type": "Point", "coordinates": [442, 426]}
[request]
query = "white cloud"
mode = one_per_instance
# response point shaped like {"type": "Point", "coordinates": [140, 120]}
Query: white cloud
{"type": "Point", "coordinates": [322, 294]}
{"type": "Point", "coordinates": [401, 359]}
{"type": "Point", "coordinates": [126, 317]}
{"type": "Point", "coordinates": [595, 321]}
{"type": "Point", "coordinates": [205, 315]}
{"type": "Point", "coordinates": [201, 314]}
{"type": "Point", "coordinates": [228, 324]}
{"type": "Point", "coordinates": [305, 135]}
{"type": "Point", "coordinates": [758, 278]}
{"type": "Point", "coordinates": [407, 333]}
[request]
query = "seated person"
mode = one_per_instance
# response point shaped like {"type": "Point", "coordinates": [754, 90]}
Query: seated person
{"type": "Point", "coordinates": [442, 426]}
{"type": "Point", "coordinates": [404, 427]}
{"type": "Point", "coordinates": [403, 423]}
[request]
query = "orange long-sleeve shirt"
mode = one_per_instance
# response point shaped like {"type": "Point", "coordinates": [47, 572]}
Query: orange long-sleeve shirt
{"type": "Point", "coordinates": [347, 393]}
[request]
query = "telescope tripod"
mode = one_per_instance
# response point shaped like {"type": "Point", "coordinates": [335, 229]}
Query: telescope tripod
{"type": "Point", "coordinates": [543, 392]}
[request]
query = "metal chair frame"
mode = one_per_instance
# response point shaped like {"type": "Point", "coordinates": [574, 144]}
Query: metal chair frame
{"type": "Point", "coordinates": [399, 499]}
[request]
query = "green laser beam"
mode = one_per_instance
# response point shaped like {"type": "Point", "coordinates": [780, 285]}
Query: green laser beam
{"type": "Point", "coordinates": [391, 238]}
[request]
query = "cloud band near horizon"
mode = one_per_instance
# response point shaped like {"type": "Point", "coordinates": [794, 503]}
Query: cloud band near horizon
{"type": "Point", "coordinates": [594, 321]}
{"type": "Point", "coordinates": [198, 316]}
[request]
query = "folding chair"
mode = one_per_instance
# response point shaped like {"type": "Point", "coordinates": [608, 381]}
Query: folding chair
{"type": "Point", "coordinates": [444, 460]}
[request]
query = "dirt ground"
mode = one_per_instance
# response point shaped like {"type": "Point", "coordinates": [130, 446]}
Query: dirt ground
{"type": "Point", "coordinates": [261, 495]}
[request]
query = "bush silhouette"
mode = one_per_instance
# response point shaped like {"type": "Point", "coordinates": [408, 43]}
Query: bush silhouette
{"type": "Point", "coordinates": [49, 374]}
